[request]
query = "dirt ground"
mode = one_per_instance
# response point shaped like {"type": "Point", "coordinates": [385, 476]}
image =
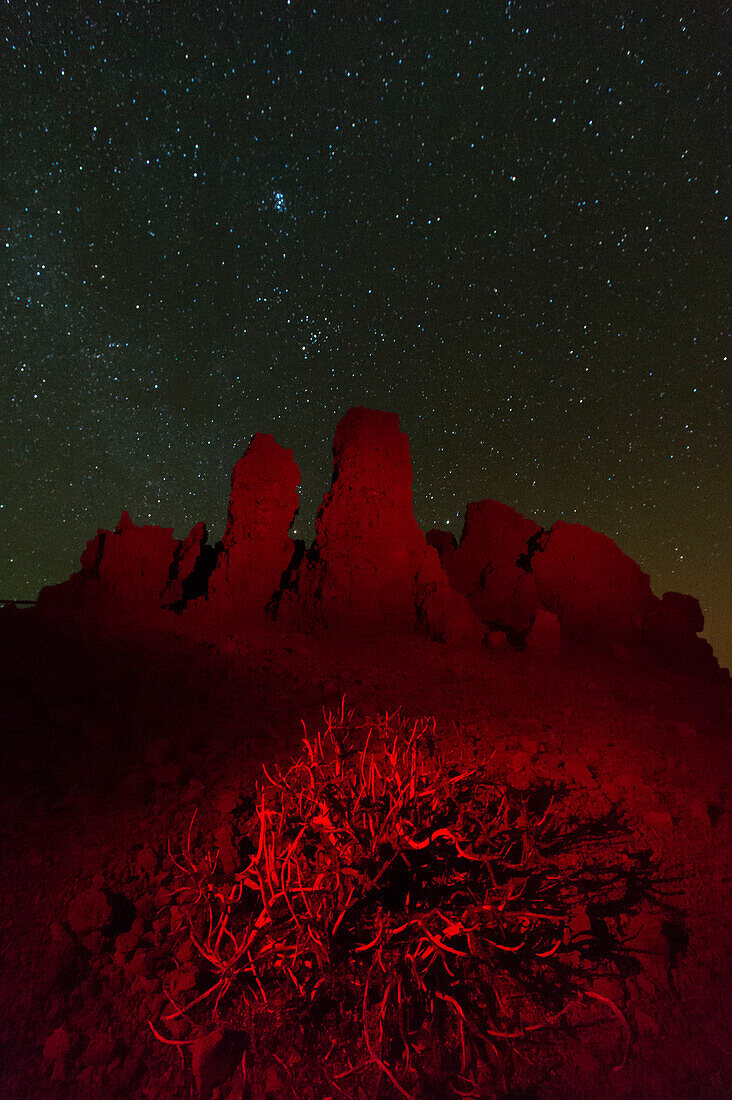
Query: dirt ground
{"type": "Point", "coordinates": [110, 741]}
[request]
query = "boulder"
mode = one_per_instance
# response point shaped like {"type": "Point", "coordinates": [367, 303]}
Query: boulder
{"type": "Point", "coordinates": [369, 569]}
{"type": "Point", "coordinates": [89, 911]}
{"type": "Point", "coordinates": [214, 1058]}
{"type": "Point", "coordinates": [600, 595]}
{"type": "Point", "coordinates": [56, 1052]}
{"type": "Point", "coordinates": [544, 639]}
{"type": "Point", "coordinates": [256, 549]}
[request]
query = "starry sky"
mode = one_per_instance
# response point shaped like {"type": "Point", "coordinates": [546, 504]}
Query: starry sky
{"type": "Point", "coordinates": [504, 221]}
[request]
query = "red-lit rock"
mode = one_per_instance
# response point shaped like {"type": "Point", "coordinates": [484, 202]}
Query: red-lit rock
{"type": "Point", "coordinates": [64, 596]}
{"type": "Point", "coordinates": [442, 612]}
{"type": "Point", "coordinates": [214, 1057]}
{"type": "Point", "coordinates": [185, 566]}
{"type": "Point", "coordinates": [444, 542]}
{"type": "Point", "coordinates": [62, 957]}
{"type": "Point", "coordinates": [56, 1051]}
{"type": "Point", "coordinates": [256, 549]}
{"type": "Point", "coordinates": [124, 570]}
{"type": "Point", "coordinates": [370, 569]}
{"type": "Point", "coordinates": [132, 564]}
{"type": "Point", "coordinates": [600, 595]}
{"type": "Point", "coordinates": [492, 533]}
{"type": "Point", "coordinates": [544, 638]}
{"type": "Point", "coordinates": [90, 911]}
{"type": "Point", "coordinates": [685, 609]}
{"type": "Point", "coordinates": [670, 630]}
{"type": "Point", "coordinates": [489, 566]}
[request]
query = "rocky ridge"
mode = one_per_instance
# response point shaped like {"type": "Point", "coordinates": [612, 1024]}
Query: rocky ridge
{"type": "Point", "coordinates": [371, 571]}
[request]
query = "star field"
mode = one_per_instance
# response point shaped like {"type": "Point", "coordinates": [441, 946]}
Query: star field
{"type": "Point", "coordinates": [506, 222]}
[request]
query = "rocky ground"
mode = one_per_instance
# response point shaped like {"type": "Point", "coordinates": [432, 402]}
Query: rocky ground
{"type": "Point", "coordinates": [112, 740]}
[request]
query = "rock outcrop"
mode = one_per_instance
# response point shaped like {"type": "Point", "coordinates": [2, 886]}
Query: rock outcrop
{"type": "Point", "coordinates": [670, 630]}
{"type": "Point", "coordinates": [192, 563]}
{"type": "Point", "coordinates": [489, 566]}
{"type": "Point", "coordinates": [129, 569]}
{"type": "Point", "coordinates": [442, 613]}
{"type": "Point", "coordinates": [599, 594]}
{"type": "Point", "coordinates": [569, 582]}
{"type": "Point", "coordinates": [370, 569]}
{"type": "Point", "coordinates": [256, 549]}
{"type": "Point", "coordinates": [444, 542]}
{"type": "Point", "coordinates": [544, 639]}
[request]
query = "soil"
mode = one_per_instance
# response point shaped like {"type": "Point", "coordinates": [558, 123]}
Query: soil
{"type": "Point", "coordinates": [112, 738]}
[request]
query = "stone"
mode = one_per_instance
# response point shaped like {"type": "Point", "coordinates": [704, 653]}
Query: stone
{"type": "Point", "coordinates": [89, 912]}
{"type": "Point", "coordinates": [599, 594]}
{"type": "Point", "coordinates": [670, 630]}
{"type": "Point", "coordinates": [131, 565]}
{"type": "Point", "coordinates": [520, 760]}
{"type": "Point", "coordinates": [215, 1057]}
{"type": "Point", "coordinates": [580, 923]}
{"type": "Point", "coordinates": [490, 566]}
{"type": "Point", "coordinates": [444, 542]}
{"type": "Point", "coordinates": [544, 639]}
{"type": "Point", "coordinates": [658, 819]}
{"type": "Point", "coordinates": [576, 769]}
{"type": "Point", "coordinates": [56, 1050]}
{"type": "Point", "coordinates": [192, 561]}
{"type": "Point", "coordinates": [686, 608]}
{"type": "Point", "coordinates": [444, 614]}
{"type": "Point", "coordinates": [699, 811]}
{"type": "Point", "coordinates": [124, 570]}
{"type": "Point", "coordinates": [256, 549]}
{"type": "Point", "coordinates": [360, 570]}
{"type": "Point", "coordinates": [147, 861]}
{"type": "Point", "coordinates": [63, 958]}
{"type": "Point", "coordinates": [100, 1052]}
{"type": "Point", "coordinates": [370, 570]}
{"type": "Point", "coordinates": [125, 946]}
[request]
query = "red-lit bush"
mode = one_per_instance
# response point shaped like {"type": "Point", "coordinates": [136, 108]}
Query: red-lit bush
{"type": "Point", "coordinates": [394, 925]}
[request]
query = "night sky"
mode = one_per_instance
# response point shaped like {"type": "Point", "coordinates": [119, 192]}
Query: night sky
{"type": "Point", "coordinates": [504, 221]}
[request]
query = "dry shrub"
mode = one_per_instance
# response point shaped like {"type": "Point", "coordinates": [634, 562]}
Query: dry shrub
{"type": "Point", "coordinates": [396, 925]}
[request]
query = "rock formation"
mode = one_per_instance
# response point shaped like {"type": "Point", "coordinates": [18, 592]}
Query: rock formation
{"type": "Point", "coordinates": [544, 638]}
{"type": "Point", "coordinates": [369, 569]}
{"type": "Point", "coordinates": [536, 585]}
{"type": "Point", "coordinates": [488, 565]}
{"type": "Point", "coordinates": [569, 582]}
{"type": "Point", "coordinates": [670, 630]}
{"type": "Point", "coordinates": [444, 542]}
{"type": "Point", "coordinates": [192, 562]}
{"type": "Point", "coordinates": [256, 548]}
{"type": "Point", "coordinates": [125, 570]}
{"type": "Point", "coordinates": [444, 614]}
{"type": "Point", "coordinates": [599, 594]}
